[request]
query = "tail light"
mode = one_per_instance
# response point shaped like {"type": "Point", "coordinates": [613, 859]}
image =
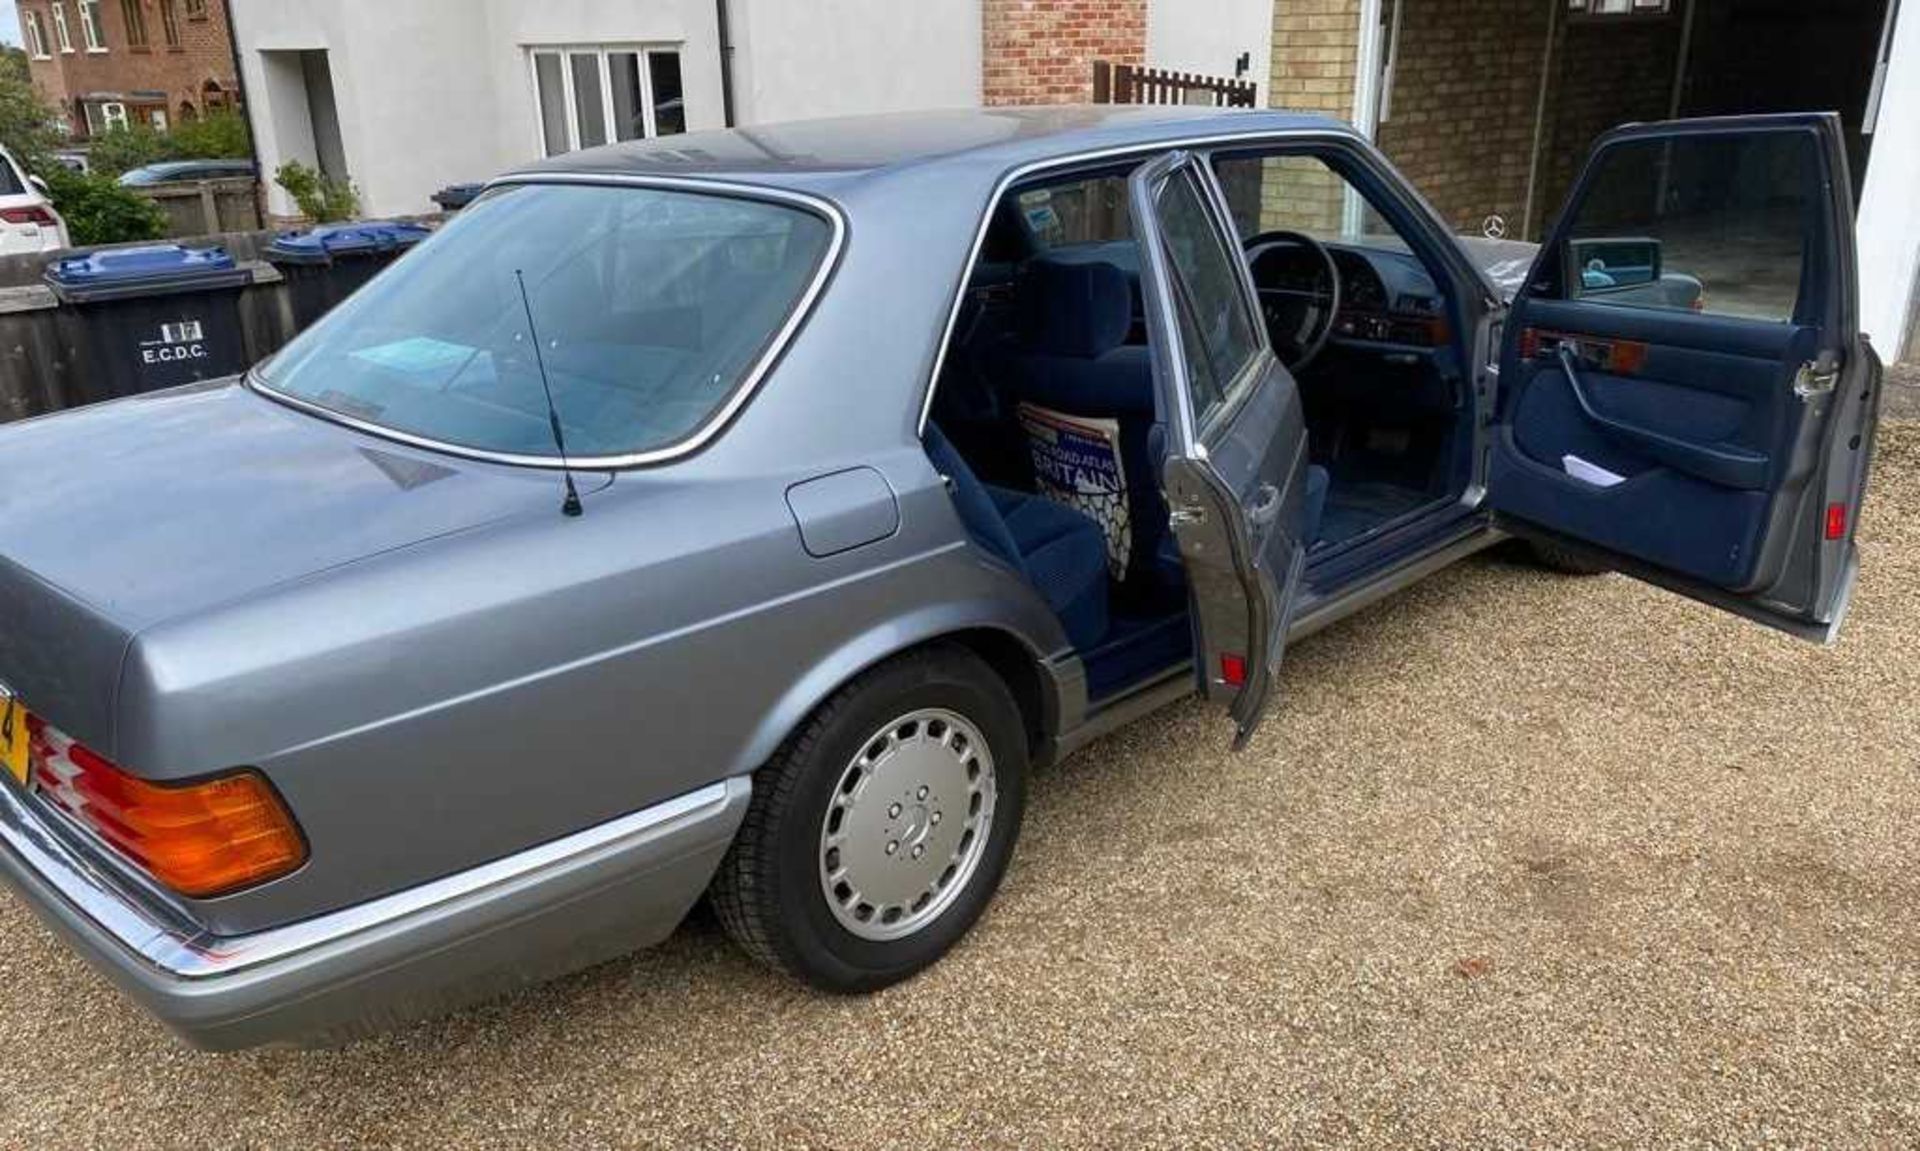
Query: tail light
{"type": "Point", "coordinates": [31, 214]}
{"type": "Point", "coordinates": [205, 838]}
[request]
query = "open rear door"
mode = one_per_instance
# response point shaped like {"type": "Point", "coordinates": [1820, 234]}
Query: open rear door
{"type": "Point", "coordinates": [1234, 438]}
{"type": "Point", "coordinates": [1685, 393]}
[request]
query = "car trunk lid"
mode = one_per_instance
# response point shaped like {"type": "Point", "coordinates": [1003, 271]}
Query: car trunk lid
{"type": "Point", "coordinates": [116, 517]}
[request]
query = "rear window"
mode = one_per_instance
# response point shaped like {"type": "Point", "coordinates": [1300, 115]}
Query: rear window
{"type": "Point", "coordinates": [651, 308]}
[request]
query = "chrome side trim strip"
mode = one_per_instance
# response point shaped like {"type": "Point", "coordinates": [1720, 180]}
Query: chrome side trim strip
{"type": "Point", "coordinates": [179, 950]}
{"type": "Point", "coordinates": [709, 428]}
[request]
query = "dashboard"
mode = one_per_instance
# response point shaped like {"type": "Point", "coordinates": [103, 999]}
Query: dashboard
{"type": "Point", "coordinates": [1386, 296]}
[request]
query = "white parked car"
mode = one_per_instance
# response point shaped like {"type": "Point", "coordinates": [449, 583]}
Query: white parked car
{"type": "Point", "coordinates": [28, 222]}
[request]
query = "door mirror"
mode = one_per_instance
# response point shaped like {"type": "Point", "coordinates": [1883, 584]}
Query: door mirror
{"type": "Point", "coordinates": [41, 186]}
{"type": "Point", "coordinates": [1609, 263]}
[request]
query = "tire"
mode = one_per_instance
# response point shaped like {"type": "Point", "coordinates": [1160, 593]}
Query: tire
{"type": "Point", "coordinates": [908, 725]}
{"type": "Point", "coordinates": [1559, 559]}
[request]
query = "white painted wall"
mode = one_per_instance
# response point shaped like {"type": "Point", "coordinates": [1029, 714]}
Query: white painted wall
{"type": "Point", "coordinates": [798, 59]}
{"type": "Point", "coordinates": [435, 92]}
{"type": "Point", "coordinates": [1888, 225]}
{"type": "Point", "coordinates": [1209, 35]}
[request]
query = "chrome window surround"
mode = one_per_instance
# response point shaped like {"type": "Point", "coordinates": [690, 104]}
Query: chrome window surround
{"type": "Point", "coordinates": [718, 419]}
{"type": "Point", "coordinates": [1205, 144]}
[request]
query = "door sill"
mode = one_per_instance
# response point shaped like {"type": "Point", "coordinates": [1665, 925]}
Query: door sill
{"type": "Point", "coordinates": [1473, 534]}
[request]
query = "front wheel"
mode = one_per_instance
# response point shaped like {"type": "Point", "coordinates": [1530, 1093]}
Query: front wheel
{"type": "Point", "coordinates": [880, 831]}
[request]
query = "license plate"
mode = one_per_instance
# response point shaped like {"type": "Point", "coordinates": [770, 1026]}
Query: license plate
{"type": "Point", "coordinates": [13, 737]}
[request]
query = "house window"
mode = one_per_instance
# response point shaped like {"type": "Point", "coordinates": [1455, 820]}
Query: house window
{"type": "Point", "coordinates": [196, 9]}
{"type": "Point", "coordinates": [106, 117]}
{"type": "Point", "coordinates": [136, 20]}
{"type": "Point", "coordinates": [60, 33]}
{"type": "Point", "coordinates": [587, 97]}
{"type": "Point", "coordinates": [157, 117]}
{"type": "Point", "coordinates": [90, 26]}
{"type": "Point", "coordinates": [34, 34]}
{"type": "Point", "coordinates": [170, 21]}
{"type": "Point", "coordinates": [1620, 7]}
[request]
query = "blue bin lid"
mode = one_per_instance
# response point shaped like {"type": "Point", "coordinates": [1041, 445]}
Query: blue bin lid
{"type": "Point", "coordinates": [322, 244]}
{"type": "Point", "coordinates": [152, 268]}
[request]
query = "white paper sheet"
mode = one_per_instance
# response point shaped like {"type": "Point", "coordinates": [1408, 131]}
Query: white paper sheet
{"type": "Point", "coordinates": [1590, 473]}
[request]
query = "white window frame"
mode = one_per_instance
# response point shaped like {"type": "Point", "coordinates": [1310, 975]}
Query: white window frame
{"type": "Point", "coordinates": [114, 115]}
{"type": "Point", "coordinates": [1617, 9]}
{"type": "Point", "coordinates": [61, 33]}
{"type": "Point", "coordinates": [90, 26]}
{"type": "Point", "coordinates": [604, 52]}
{"type": "Point", "coordinates": [35, 35]}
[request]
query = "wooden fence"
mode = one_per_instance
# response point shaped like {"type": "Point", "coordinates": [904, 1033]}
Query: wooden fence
{"type": "Point", "coordinates": [207, 207]}
{"type": "Point", "coordinates": [1132, 84]}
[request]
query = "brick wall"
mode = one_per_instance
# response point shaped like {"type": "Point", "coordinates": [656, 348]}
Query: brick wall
{"type": "Point", "coordinates": [1460, 122]}
{"type": "Point", "coordinates": [1605, 73]}
{"type": "Point", "coordinates": [156, 75]}
{"type": "Point", "coordinates": [1042, 51]}
{"type": "Point", "coordinates": [1466, 81]}
{"type": "Point", "coordinates": [1316, 45]}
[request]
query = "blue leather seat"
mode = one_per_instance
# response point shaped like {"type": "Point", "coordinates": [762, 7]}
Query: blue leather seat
{"type": "Point", "coordinates": [1061, 552]}
{"type": "Point", "coordinates": [1071, 355]}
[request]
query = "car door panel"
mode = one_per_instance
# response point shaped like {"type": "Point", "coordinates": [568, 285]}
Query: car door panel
{"type": "Point", "coordinates": [1690, 446]}
{"type": "Point", "coordinates": [1234, 472]}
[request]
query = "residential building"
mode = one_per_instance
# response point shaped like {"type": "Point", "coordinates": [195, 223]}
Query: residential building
{"type": "Point", "coordinates": [410, 96]}
{"type": "Point", "coordinates": [114, 63]}
{"type": "Point", "coordinates": [1488, 105]}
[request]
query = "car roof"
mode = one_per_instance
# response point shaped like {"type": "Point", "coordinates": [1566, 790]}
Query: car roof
{"type": "Point", "coordinates": [823, 155]}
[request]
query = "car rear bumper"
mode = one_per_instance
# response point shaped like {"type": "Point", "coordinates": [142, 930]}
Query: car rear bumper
{"type": "Point", "coordinates": [597, 893]}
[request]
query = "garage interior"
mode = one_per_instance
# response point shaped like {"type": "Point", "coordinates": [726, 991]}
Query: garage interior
{"type": "Point", "coordinates": [1490, 106]}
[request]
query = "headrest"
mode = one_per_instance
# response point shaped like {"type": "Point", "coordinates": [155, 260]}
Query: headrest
{"type": "Point", "coordinates": [1082, 310]}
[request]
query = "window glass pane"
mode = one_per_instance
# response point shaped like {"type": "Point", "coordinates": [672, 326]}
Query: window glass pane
{"type": "Point", "coordinates": [1206, 274]}
{"type": "Point", "coordinates": [170, 20]}
{"type": "Point", "coordinates": [629, 107]}
{"type": "Point", "coordinates": [90, 24]}
{"type": "Point", "coordinates": [650, 307]}
{"type": "Point", "coordinates": [590, 109]}
{"type": "Point", "coordinates": [1298, 194]}
{"type": "Point", "coordinates": [1081, 212]}
{"type": "Point", "coordinates": [669, 108]}
{"type": "Point", "coordinates": [553, 102]}
{"type": "Point", "coordinates": [1706, 223]}
{"type": "Point", "coordinates": [136, 22]}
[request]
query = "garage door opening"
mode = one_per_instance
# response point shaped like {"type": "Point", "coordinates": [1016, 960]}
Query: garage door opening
{"type": "Point", "coordinates": [1491, 110]}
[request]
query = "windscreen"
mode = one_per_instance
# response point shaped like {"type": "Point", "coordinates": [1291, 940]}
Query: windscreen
{"type": "Point", "coordinates": [650, 308]}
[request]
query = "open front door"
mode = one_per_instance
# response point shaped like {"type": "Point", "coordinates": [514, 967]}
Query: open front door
{"type": "Point", "coordinates": [1685, 393]}
{"type": "Point", "coordinates": [1235, 441]}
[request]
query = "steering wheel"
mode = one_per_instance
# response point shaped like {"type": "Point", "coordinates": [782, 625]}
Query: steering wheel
{"type": "Point", "coordinates": [1299, 320]}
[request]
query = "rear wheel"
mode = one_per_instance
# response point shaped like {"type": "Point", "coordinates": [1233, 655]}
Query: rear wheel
{"type": "Point", "coordinates": [880, 831]}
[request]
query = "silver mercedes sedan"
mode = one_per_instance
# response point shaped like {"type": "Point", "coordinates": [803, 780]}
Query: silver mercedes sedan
{"type": "Point", "coordinates": [744, 515]}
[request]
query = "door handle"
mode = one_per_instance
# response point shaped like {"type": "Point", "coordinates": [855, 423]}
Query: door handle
{"type": "Point", "coordinates": [1265, 506]}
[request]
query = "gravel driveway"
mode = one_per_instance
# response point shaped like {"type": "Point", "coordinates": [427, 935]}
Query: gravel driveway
{"type": "Point", "coordinates": [1521, 860]}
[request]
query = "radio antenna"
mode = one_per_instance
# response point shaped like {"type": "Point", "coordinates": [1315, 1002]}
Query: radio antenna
{"type": "Point", "coordinates": [571, 505]}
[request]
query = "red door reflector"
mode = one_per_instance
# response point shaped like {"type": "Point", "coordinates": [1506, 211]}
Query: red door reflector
{"type": "Point", "coordinates": [1233, 669]}
{"type": "Point", "coordinates": [1836, 521]}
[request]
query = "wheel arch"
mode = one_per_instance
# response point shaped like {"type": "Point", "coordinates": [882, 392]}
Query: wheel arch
{"type": "Point", "coordinates": [1006, 644]}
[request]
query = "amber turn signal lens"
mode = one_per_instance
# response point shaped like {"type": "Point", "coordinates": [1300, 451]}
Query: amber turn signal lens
{"type": "Point", "coordinates": [200, 839]}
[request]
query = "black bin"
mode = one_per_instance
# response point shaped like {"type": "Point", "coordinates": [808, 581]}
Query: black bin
{"type": "Point", "coordinates": [142, 319]}
{"type": "Point", "coordinates": [325, 265]}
